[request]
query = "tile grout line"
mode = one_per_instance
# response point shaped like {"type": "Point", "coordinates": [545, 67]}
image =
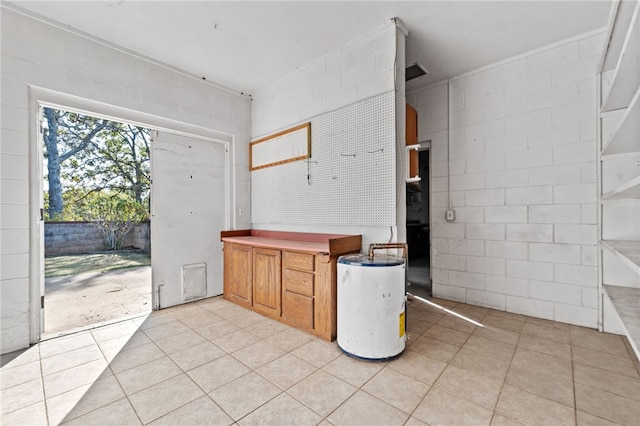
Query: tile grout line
{"type": "Point", "coordinates": [114, 374]}
{"type": "Point", "coordinates": [190, 378]}
{"type": "Point", "coordinates": [432, 386]}
{"type": "Point", "coordinates": [44, 397]}
{"type": "Point", "coordinates": [116, 379]}
{"type": "Point", "coordinates": [205, 393]}
{"type": "Point", "coordinates": [386, 367]}
{"type": "Point", "coordinates": [286, 352]}
{"type": "Point", "coordinates": [573, 381]}
{"type": "Point", "coordinates": [169, 378]}
{"type": "Point", "coordinates": [434, 382]}
{"type": "Point", "coordinates": [321, 369]}
{"type": "Point", "coordinates": [504, 381]}
{"type": "Point", "coordinates": [95, 342]}
{"type": "Point", "coordinates": [251, 370]}
{"type": "Point", "coordinates": [570, 345]}
{"type": "Point", "coordinates": [343, 402]}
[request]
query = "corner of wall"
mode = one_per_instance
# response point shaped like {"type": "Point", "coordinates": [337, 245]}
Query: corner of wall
{"type": "Point", "coordinates": [400, 125]}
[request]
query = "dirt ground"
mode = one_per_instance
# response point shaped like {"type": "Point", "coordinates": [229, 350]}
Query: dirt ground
{"type": "Point", "coordinates": [95, 297]}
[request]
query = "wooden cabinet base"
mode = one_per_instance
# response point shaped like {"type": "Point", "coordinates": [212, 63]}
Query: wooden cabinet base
{"type": "Point", "coordinates": [297, 311]}
{"type": "Point", "coordinates": [287, 276]}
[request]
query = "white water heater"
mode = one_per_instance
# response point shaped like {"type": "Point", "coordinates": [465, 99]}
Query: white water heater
{"type": "Point", "coordinates": [371, 306]}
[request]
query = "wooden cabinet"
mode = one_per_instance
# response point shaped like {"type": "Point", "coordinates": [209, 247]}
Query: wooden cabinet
{"type": "Point", "coordinates": [412, 139]}
{"type": "Point", "coordinates": [290, 277]}
{"type": "Point", "coordinates": [266, 281]}
{"type": "Point", "coordinates": [238, 274]}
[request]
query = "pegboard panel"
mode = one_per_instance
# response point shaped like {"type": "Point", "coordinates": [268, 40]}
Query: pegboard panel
{"type": "Point", "coordinates": [350, 178]}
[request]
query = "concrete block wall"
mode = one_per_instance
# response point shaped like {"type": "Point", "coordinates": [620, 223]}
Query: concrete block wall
{"type": "Point", "coordinates": [83, 237]}
{"type": "Point", "coordinates": [71, 238]}
{"type": "Point", "coordinates": [523, 183]}
{"type": "Point", "coordinates": [37, 53]}
{"type": "Point", "coordinates": [358, 70]}
{"type": "Point", "coordinates": [139, 237]}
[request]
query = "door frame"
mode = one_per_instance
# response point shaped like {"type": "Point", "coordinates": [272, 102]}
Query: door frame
{"type": "Point", "coordinates": [424, 145]}
{"type": "Point", "coordinates": [42, 97]}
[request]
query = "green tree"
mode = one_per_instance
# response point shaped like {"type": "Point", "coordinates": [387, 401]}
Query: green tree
{"type": "Point", "coordinates": [118, 160]}
{"type": "Point", "coordinates": [115, 214]}
{"type": "Point", "coordinates": [66, 135]}
{"type": "Point", "coordinates": [86, 155]}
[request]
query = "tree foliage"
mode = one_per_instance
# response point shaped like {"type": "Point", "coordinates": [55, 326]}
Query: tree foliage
{"type": "Point", "coordinates": [90, 159]}
{"type": "Point", "coordinates": [66, 135]}
{"type": "Point", "coordinates": [114, 214]}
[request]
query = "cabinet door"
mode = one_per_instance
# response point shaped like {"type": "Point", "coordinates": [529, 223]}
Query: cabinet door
{"type": "Point", "coordinates": [267, 282]}
{"type": "Point", "coordinates": [238, 274]}
{"type": "Point", "coordinates": [412, 139]}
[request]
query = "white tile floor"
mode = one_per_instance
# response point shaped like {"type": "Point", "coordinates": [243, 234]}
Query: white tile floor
{"type": "Point", "coordinates": [214, 363]}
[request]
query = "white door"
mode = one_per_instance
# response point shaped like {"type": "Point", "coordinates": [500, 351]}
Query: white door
{"type": "Point", "coordinates": [188, 210]}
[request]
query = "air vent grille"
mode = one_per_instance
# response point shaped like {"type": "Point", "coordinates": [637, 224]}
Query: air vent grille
{"type": "Point", "coordinates": [414, 71]}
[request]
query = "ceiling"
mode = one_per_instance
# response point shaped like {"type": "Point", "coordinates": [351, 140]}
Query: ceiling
{"type": "Point", "coordinates": [247, 45]}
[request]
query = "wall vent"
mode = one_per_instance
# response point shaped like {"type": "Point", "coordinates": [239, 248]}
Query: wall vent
{"type": "Point", "coordinates": [194, 281]}
{"type": "Point", "coordinates": [414, 71]}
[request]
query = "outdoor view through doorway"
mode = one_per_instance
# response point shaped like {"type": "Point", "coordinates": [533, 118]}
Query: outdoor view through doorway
{"type": "Point", "coordinates": [418, 229]}
{"type": "Point", "coordinates": [96, 211]}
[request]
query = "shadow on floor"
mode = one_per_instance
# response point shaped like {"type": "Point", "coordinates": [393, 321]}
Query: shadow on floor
{"type": "Point", "coordinates": [93, 298]}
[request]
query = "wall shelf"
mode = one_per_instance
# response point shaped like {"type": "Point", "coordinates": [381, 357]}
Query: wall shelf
{"type": "Point", "coordinates": [617, 35]}
{"type": "Point", "coordinates": [619, 174]}
{"type": "Point", "coordinates": [626, 301]}
{"type": "Point", "coordinates": [628, 190]}
{"type": "Point", "coordinates": [627, 251]}
{"type": "Point", "coordinates": [627, 73]}
{"type": "Point", "coordinates": [626, 137]}
{"type": "Point", "coordinates": [608, 157]}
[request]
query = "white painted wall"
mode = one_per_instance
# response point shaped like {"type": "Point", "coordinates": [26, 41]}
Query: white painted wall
{"type": "Point", "coordinates": [357, 71]}
{"type": "Point", "coordinates": [523, 183]}
{"type": "Point", "coordinates": [38, 54]}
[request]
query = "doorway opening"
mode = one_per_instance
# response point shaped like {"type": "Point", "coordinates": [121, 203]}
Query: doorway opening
{"type": "Point", "coordinates": [191, 199]}
{"type": "Point", "coordinates": [97, 251]}
{"type": "Point", "coordinates": [418, 230]}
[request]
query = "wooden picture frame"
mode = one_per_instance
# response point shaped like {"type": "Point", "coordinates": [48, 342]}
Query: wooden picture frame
{"type": "Point", "coordinates": [289, 145]}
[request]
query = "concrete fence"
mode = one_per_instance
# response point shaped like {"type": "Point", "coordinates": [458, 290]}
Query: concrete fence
{"type": "Point", "coordinates": [83, 237]}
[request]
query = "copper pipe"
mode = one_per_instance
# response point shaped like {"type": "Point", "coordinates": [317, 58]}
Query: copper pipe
{"type": "Point", "coordinates": [379, 246]}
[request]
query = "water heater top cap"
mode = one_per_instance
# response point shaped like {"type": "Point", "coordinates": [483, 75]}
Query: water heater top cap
{"type": "Point", "coordinates": [361, 259]}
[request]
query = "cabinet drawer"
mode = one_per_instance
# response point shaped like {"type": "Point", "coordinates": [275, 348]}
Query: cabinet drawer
{"type": "Point", "coordinates": [298, 282]}
{"type": "Point", "coordinates": [297, 310]}
{"type": "Point", "coordinates": [299, 261]}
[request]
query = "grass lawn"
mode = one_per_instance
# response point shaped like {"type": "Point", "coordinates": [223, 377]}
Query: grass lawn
{"type": "Point", "coordinates": [56, 266]}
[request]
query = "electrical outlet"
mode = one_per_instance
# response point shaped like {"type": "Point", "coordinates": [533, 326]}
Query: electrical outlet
{"type": "Point", "coordinates": [240, 211]}
{"type": "Point", "coordinates": [450, 216]}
